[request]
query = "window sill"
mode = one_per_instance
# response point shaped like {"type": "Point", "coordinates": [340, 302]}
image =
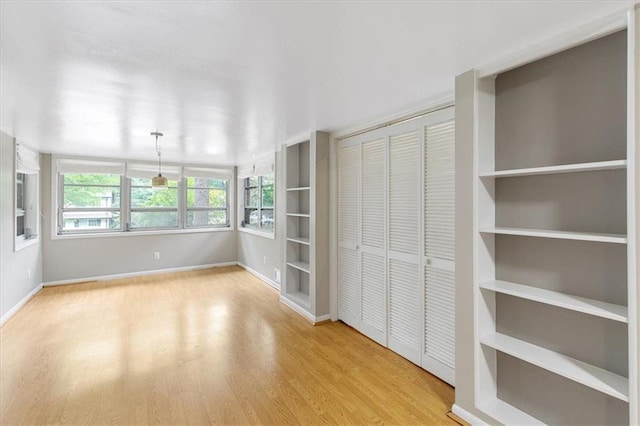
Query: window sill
{"type": "Point", "coordinates": [139, 233]}
{"type": "Point", "coordinates": [22, 243]}
{"type": "Point", "coordinates": [271, 235]}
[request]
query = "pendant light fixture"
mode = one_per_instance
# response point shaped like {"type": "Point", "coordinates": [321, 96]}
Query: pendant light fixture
{"type": "Point", "coordinates": [159, 182]}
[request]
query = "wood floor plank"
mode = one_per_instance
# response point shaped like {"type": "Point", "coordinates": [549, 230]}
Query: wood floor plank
{"type": "Point", "coordinates": [199, 347]}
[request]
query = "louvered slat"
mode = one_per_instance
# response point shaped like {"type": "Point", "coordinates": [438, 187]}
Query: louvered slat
{"type": "Point", "coordinates": [374, 293]}
{"type": "Point", "coordinates": [440, 190]}
{"type": "Point", "coordinates": [439, 315]}
{"type": "Point", "coordinates": [348, 158]}
{"type": "Point", "coordinates": [373, 194]}
{"type": "Point", "coordinates": [404, 195]}
{"type": "Point", "coordinates": [404, 303]}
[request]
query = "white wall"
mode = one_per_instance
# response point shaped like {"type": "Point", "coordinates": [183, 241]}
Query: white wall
{"type": "Point", "coordinates": [14, 266]}
{"type": "Point", "coordinates": [79, 258]}
{"type": "Point", "coordinates": [252, 249]}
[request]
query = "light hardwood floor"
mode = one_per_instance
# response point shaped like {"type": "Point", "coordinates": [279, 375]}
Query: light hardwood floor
{"type": "Point", "coordinates": [200, 347]}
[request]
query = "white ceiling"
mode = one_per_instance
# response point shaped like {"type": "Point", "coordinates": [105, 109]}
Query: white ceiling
{"type": "Point", "coordinates": [227, 81]}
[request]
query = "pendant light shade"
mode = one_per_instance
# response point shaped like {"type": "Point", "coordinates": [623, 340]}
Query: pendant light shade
{"type": "Point", "coordinates": [159, 182]}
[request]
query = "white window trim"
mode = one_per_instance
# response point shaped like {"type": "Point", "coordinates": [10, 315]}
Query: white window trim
{"type": "Point", "coordinates": [55, 196]}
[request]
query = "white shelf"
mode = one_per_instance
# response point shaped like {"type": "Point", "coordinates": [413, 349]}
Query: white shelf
{"type": "Point", "coordinates": [562, 300]}
{"type": "Point", "coordinates": [299, 298]}
{"type": "Point", "coordinates": [299, 240]}
{"type": "Point", "coordinates": [594, 377]}
{"type": "Point", "coordinates": [302, 266]}
{"type": "Point", "coordinates": [508, 414]}
{"type": "Point", "coordinates": [298, 214]}
{"type": "Point", "coordinates": [565, 168]}
{"type": "Point", "coordinates": [300, 188]}
{"type": "Point", "coordinates": [565, 235]}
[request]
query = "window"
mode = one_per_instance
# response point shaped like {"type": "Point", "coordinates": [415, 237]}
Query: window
{"type": "Point", "coordinates": [26, 196]}
{"type": "Point", "coordinates": [87, 199]}
{"type": "Point", "coordinates": [207, 202]}
{"type": "Point", "coordinates": [98, 196]}
{"type": "Point", "coordinates": [258, 202]}
{"type": "Point", "coordinates": [153, 208]}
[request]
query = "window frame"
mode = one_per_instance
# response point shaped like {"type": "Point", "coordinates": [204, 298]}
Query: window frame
{"type": "Point", "coordinates": [125, 209]}
{"type": "Point", "coordinates": [247, 209]}
{"type": "Point", "coordinates": [30, 189]}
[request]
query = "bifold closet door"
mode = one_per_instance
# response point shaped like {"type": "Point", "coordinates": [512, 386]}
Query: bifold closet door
{"type": "Point", "coordinates": [373, 289]}
{"type": "Point", "coordinates": [404, 236]}
{"type": "Point", "coordinates": [439, 245]}
{"type": "Point", "coordinates": [349, 306]}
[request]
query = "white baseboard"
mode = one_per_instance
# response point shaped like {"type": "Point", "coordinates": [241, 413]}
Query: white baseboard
{"type": "Point", "coordinates": [467, 416]}
{"type": "Point", "coordinates": [260, 276]}
{"type": "Point", "coordinates": [314, 320]}
{"type": "Point", "coordinates": [6, 317]}
{"type": "Point", "coordinates": [138, 274]}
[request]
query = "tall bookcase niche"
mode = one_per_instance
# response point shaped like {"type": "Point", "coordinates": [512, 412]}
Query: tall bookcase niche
{"type": "Point", "coordinates": [552, 292]}
{"type": "Point", "coordinates": [306, 283]}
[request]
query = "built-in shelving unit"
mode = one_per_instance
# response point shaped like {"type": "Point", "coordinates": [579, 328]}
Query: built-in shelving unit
{"type": "Point", "coordinates": [306, 284]}
{"type": "Point", "coordinates": [553, 258]}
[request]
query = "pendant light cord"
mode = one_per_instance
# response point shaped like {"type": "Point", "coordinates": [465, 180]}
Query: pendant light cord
{"type": "Point", "coordinates": [159, 157]}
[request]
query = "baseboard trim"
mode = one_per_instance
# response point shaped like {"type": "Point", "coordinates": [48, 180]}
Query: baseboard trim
{"type": "Point", "coordinates": [138, 274]}
{"type": "Point", "coordinates": [467, 416]}
{"type": "Point", "coordinates": [260, 276]}
{"type": "Point", "coordinates": [6, 317]}
{"type": "Point", "coordinates": [307, 315]}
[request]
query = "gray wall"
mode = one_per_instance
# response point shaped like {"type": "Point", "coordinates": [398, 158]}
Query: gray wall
{"type": "Point", "coordinates": [252, 249]}
{"type": "Point", "coordinates": [14, 284]}
{"type": "Point", "coordinates": [78, 258]}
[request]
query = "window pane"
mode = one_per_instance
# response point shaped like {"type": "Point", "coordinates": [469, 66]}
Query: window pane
{"type": "Point", "coordinates": [251, 217]}
{"type": "Point", "coordinates": [206, 218]}
{"type": "Point", "coordinates": [252, 181]}
{"type": "Point", "coordinates": [154, 219]}
{"type": "Point", "coordinates": [19, 225]}
{"type": "Point", "coordinates": [147, 182]}
{"type": "Point", "coordinates": [148, 197]}
{"type": "Point", "coordinates": [251, 197]}
{"type": "Point", "coordinates": [267, 219]}
{"type": "Point", "coordinates": [267, 191]}
{"type": "Point", "coordinates": [91, 196]}
{"type": "Point", "coordinates": [91, 190]}
{"type": "Point", "coordinates": [206, 198]}
{"type": "Point", "coordinates": [90, 220]}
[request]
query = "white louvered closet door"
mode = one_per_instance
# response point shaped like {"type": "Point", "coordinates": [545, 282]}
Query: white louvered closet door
{"type": "Point", "coordinates": [349, 306]}
{"type": "Point", "coordinates": [405, 240]}
{"type": "Point", "coordinates": [373, 319]}
{"type": "Point", "coordinates": [439, 245]}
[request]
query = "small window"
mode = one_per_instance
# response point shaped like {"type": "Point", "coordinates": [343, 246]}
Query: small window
{"type": "Point", "coordinates": [90, 202]}
{"type": "Point", "coordinates": [207, 202]}
{"type": "Point", "coordinates": [153, 208]}
{"type": "Point", "coordinates": [259, 202]}
{"type": "Point", "coordinates": [27, 177]}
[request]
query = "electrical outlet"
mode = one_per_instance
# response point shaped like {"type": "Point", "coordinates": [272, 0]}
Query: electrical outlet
{"type": "Point", "coordinates": [276, 275]}
{"type": "Point", "coordinates": [264, 261]}
{"type": "Point", "coordinates": [156, 255]}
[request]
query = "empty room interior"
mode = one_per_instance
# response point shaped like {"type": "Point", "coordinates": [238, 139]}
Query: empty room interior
{"type": "Point", "coordinates": [343, 212]}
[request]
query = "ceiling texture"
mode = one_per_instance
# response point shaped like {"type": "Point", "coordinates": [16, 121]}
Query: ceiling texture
{"type": "Point", "coordinates": [229, 81]}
